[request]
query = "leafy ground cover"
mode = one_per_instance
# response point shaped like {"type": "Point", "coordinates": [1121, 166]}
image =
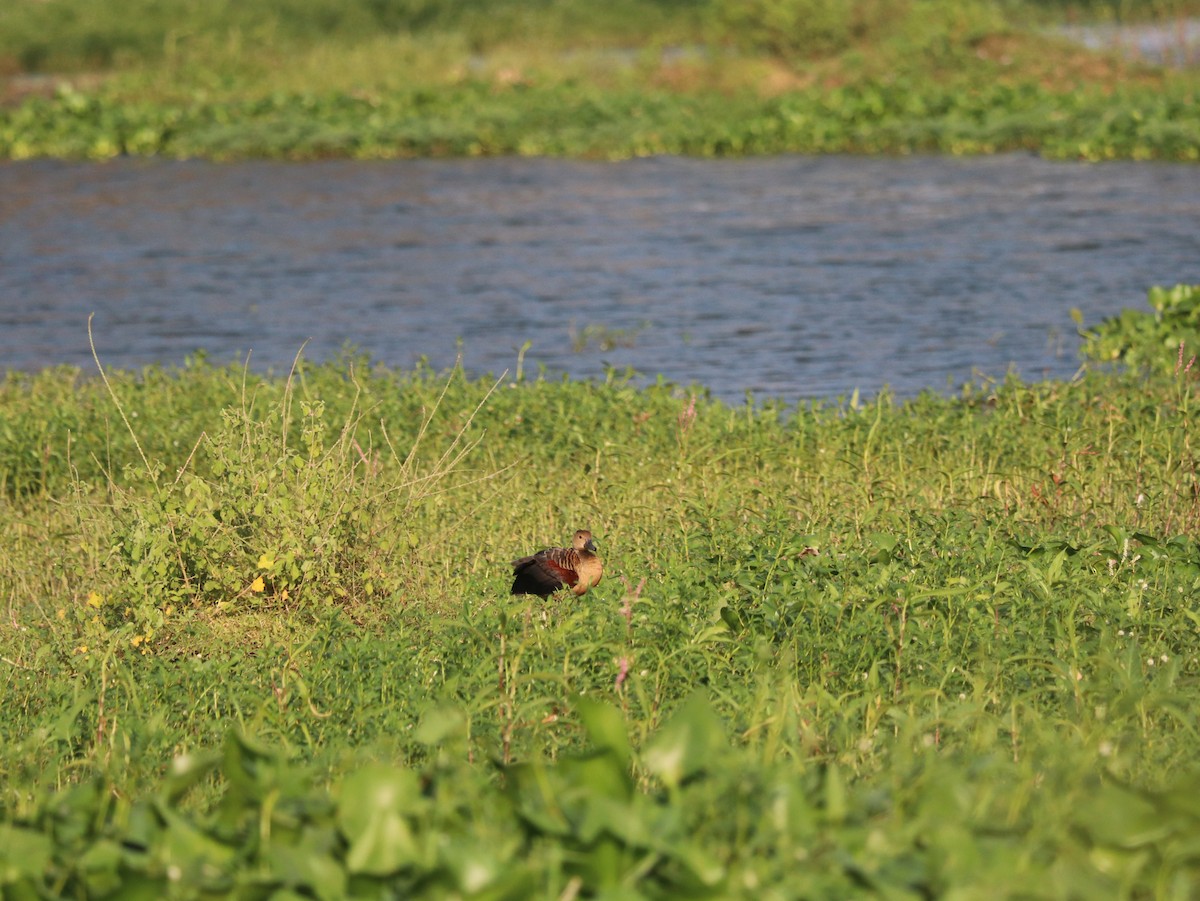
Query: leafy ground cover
{"type": "Point", "coordinates": [565, 120]}
{"type": "Point", "coordinates": [313, 79]}
{"type": "Point", "coordinates": [257, 639]}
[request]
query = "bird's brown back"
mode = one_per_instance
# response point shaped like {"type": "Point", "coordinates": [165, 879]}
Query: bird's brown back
{"type": "Point", "coordinates": [577, 567]}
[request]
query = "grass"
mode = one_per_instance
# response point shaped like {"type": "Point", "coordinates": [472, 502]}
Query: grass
{"type": "Point", "coordinates": [904, 649]}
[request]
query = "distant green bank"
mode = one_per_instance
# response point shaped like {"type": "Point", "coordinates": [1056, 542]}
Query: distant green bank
{"type": "Point", "coordinates": [308, 79]}
{"type": "Point", "coordinates": [477, 119]}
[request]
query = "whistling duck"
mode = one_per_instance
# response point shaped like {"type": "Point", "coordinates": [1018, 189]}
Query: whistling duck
{"type": "Point", "coordinates": [576, 567]}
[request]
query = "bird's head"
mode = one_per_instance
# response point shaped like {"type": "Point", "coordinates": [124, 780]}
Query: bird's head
{"type": "Point", "coordinates": [583, 541]}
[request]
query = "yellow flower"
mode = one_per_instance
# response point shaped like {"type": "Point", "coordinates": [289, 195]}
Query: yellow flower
{"type": "Point", "coordinates": [137, 640]}
{"type": "Point", "coordinates": [258, 584]}
{"type": "Point", "coordinates": [94, 600]}
{"type": "Point", "coordinates": [62, 614]}
{"type": "Point", "coordinates": [284, 596]}
{"type": "Point", "coordinates": [82, 649]}
{"type": "Point", "coordinates": [266, 561]}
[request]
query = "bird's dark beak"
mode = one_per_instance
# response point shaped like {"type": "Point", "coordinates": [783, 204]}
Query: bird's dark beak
{"type": "Point", "coordinates": [591, 545]}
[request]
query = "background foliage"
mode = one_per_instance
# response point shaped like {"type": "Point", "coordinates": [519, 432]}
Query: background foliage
{"type": "Point", "coordinates": [1146, 341]}
{"type": "Point", "coordinates": [394, 78]}
{"type": "Point", "coordinates": [58, 35]}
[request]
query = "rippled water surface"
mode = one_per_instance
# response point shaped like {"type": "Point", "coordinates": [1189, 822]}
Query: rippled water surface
{"type": "Point", "coordinates": [787, 277]}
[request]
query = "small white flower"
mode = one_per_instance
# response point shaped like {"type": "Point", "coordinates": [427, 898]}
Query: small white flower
{"type": "Point", "coordinates": [1105, 748]}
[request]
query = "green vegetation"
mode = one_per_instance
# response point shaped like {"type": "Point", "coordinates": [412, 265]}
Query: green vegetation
{"type": "Point", "coordinates": [945, 647]}
{"type": "Point", "coordinates": [1147, 341]}
{"type": "Point", "coordinates": [316, 78]}
{"type": "Point", "coordinates": [257, 638]}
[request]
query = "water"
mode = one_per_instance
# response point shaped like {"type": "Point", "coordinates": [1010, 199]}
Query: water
{"type": "Point", "coordinates": [1173, 43]}
{"type": "Point", "coordinates": [789, 277]}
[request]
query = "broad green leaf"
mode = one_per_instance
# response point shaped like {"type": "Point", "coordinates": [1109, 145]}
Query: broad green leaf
{"type": "Point", "coordinates": [187, 847]}
{"type": "Point", "coordinates": [885, 546]}
{"type": "Point", "coordinates": [536, 793]}
{"type": "Point", "coordinates": [24, 853]}
{"type": "Point", "coordinates": [701, 869]}
{"type": "Point", "coordinates": [249, 765]}
{"type": "Point", "coordinates": [598, 773]}
{"type": "Point", "coordinates": [606, 864]}
{"type": "Point", "coordinates": [100, 865]}
{"type": "Point", "coordinates": [491, 869]}
{"type": "Point", "coordinates": [439, 724]}
{"type": "Point", "coordinates": [188, 770]}
{"type": "Point", "coordinates": [605, 726]}
{"type": "Point", "coordinates": [1123, 818]}
{"type": "Point", "coordinates": [602, 816]}
{"type": "Point", "coordinates": [139, 887]}
{"type": "Point", "coordinates": [308, 867]}
{"type": "Point", "coordinates": [372, 816]}
{"type": "Point", "coordinates": [687, 744]}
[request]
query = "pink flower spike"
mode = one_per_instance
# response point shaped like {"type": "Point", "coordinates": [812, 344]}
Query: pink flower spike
{"type": "Point", "coordinates": [622, 672]}
{"type": "Point", "coordinates": [688, 416]}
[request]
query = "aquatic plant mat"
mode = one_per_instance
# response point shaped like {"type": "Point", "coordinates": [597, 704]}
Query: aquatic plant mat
{"type": "Point", "coordinates": [257, 640]}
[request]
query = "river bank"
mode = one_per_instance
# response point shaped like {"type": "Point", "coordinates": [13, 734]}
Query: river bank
{"type": "Point", "coordinates": [965, 82]}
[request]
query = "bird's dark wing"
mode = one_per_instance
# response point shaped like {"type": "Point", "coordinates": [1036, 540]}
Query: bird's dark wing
{"type": "Point", "coordinates": [545, 572]}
